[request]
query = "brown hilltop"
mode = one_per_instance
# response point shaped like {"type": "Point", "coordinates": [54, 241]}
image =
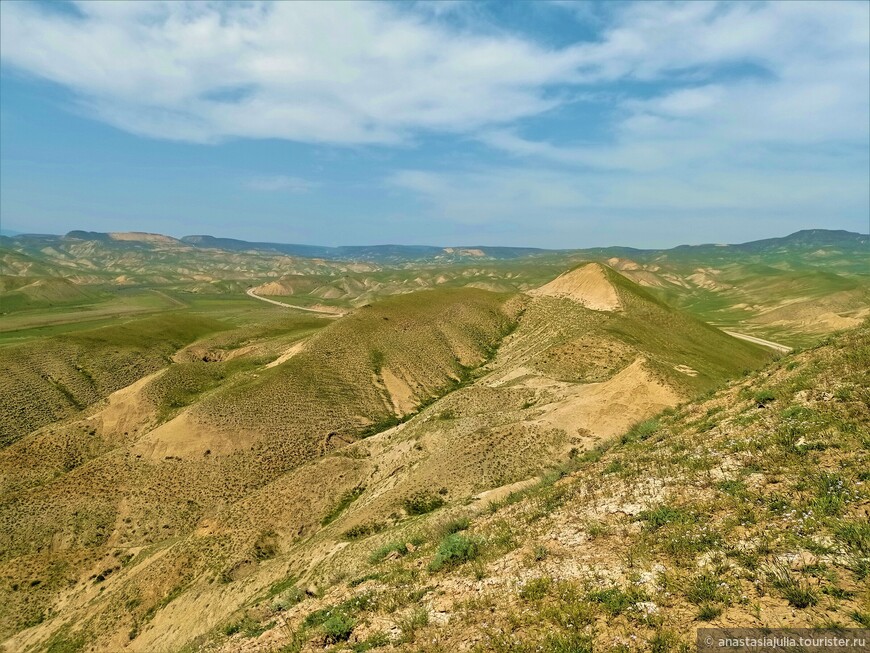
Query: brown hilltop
{"type": "Point", "coordinates": [588, 285]}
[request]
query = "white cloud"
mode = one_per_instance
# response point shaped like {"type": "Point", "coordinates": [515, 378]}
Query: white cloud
{"type": "Point", "coordinates": [770, 109]}
{"type": "Point", "coordinates": [281, 183]}
{"type": "Point", "coordinates": [356, 73]}
{"type": "Point", "coordinates": [337, 73]}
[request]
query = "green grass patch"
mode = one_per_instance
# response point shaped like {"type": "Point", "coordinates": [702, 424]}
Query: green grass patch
{"type": "Point", "coordinates": [454, 550]}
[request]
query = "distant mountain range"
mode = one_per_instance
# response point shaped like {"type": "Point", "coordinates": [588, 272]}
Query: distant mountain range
{"type": "Point", "coordinates": [805, 240]}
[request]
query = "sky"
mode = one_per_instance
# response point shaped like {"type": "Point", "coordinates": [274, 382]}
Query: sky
{"type": "Point", "coordinates": [544, 124]}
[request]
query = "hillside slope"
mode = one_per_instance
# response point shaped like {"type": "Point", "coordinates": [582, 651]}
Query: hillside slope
{"type": "Point", "coordinates": [44, 382]}
{"type": "Point", "coordinates": [169, 452]}
{"type": "Point", "coordinates": [286, 465]}
{"type": "Point", "coordinates": [746, 508]}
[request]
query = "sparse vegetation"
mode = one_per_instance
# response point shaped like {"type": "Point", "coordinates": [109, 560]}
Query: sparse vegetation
{"type": "Point", "coordinates": [268, 487]}
{"type": "Point", "coordinates": [346, 499]}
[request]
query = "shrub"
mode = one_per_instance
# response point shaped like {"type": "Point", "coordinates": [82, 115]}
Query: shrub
{"type": "Point", "coordinates": [338, 627]}
{"type": "Point", "coordinates": [376, 358]}
{"type": "Point", "coordinates": [266, 546]}
{"type": "Point", "coordinates": [456, 525]}
{"type": "Point", "coordinates": [363, 530]}
{"type": "Point", "coordinates": [399, 546]}
{"type": "Point", "coordinates": [422, 502]}
{"type": "Point", "coordinates": [454, 550]}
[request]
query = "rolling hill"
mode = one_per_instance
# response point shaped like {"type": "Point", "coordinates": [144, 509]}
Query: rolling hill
{"type": "Point", "coordinates": [155, 513]}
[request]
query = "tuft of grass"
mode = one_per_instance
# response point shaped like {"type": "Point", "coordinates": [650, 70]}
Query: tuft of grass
{"type": "Point", "coordinates": [614, 601]}
{"type": "Point", "coordinates": [398, 546]}
{"type": "Point", "coordinates": [364, 530]}
{"type": "Point", "coordinates": [708, 612]}
{"type": "Point", "coordinates": [793, 588]}
{"type": "Point", "coordinates": [567, 643]}
{"type": "Point", "coordinates": [706, 588]}
{"type": "Point", "coordinates": [615, 466]}
{"type": "Point", "coordinates": [536, 588]}
{"type": "Point", "coordinates": [455, 525]}
{"type": "Point", "coordinates": [855, 535]}
{"type": "Point", "coordinates": [411, 623]}
{"type": "Point", "coordinates": [641, 431]}
{"type": "Point", "coordinates": [246, 625]}
{"type": "Point", "coordinates": [375, 640]}
{"type": "Point", "coordinates": [663, 515]}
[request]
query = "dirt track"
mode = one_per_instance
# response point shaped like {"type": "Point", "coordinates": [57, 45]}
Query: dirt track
{"type": "Point", "coordinates": [759, 341]}
{"type": "Point", "coordinates": [250, 292]}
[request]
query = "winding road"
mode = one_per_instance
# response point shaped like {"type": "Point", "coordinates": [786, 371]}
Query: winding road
{"type": "Point", "coordinates": [250, 292]}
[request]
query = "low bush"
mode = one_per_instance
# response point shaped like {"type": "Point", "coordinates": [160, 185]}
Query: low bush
{"type": "Point", "coordinates": [422, 502]}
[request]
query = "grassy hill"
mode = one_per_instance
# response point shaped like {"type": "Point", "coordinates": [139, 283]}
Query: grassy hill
{"type": "Point", "coordinates": [47, 381]}
{"type": "Point", "coordinates": [747, 507]}
{"type": "Point", "coordinates": [119, 479]}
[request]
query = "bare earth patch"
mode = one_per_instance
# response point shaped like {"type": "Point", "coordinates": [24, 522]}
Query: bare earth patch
{"type": "Point", "coordinates": [587, 285]}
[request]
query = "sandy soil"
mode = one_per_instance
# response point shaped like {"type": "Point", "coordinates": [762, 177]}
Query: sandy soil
{"type": "Point", "coordinates": [126, 409]}
{"type": "Point", "coordinates": [401, 393]}
{"type": "Point", "coordinates": [609, 408]}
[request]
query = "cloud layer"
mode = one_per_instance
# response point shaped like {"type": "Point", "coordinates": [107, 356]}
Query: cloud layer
{"type": "Point", "coordinates": [349, 73]}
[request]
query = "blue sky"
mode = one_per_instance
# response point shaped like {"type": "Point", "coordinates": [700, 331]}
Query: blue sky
{"type": "Point", "coordinates": [550, 124]}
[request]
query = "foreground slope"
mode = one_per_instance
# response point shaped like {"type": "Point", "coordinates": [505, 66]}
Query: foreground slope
{"type": "Point", "coordinates": [746, 508]}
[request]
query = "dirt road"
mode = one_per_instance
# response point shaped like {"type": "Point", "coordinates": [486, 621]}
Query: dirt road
{"type": "Point", "coordinates": [250, 292]}
{"type": "Point", "coordinates": [783, 349]}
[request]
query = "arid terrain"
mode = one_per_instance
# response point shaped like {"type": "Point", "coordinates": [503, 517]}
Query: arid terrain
{"type": "Point", "coordinates": [214, 445]}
